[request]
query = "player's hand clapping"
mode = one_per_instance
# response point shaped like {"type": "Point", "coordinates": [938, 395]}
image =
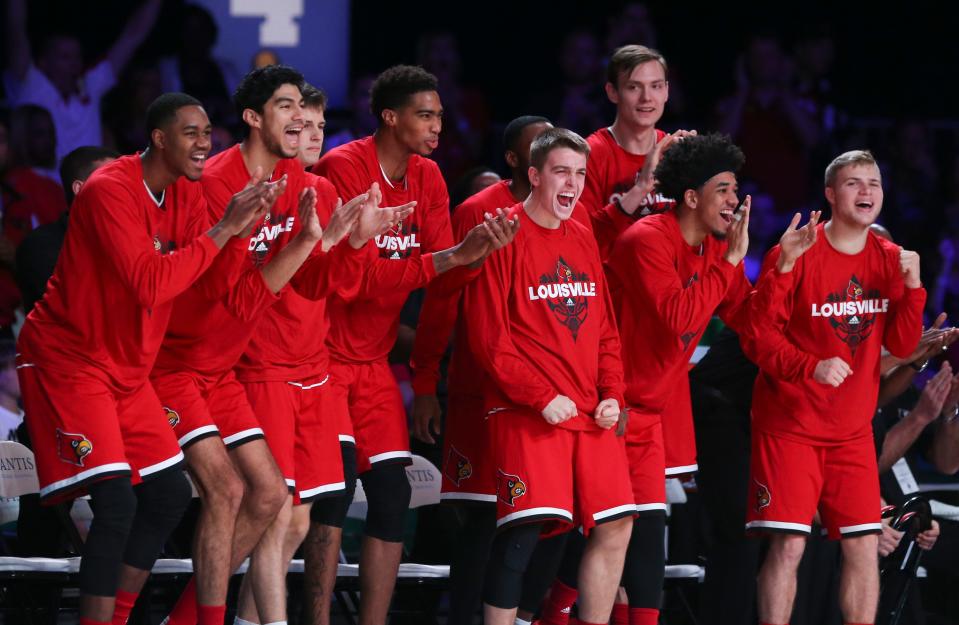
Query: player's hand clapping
{"type": "Point", "coordinates": [311, 230]}
{"type": "Point", "coordinates": [607, 413]}
{"type": "Point", "coordinates": [737, 236]}
{"type": "Point", "coordinates": [796, 241]}
{"type": "Point", "coordinates": [645, 180]}
{"type": "Point", "coordinates": [343, 220]}
{"type": "Point", "coordinates": [832, 371]}
{"type": "Point", "coordinates": [934, 395]}
{"type": "Point", "coordinates": [247, 207]}
{"type": "Point", "coordinates": [560, 409]}
{"type": "Point", "coordinates": [375, 220]}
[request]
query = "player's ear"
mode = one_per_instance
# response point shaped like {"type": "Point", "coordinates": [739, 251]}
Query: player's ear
{"type": "Point", "coordinates": [611, 93]}
{"type": "Point", "coordinates": [511, 158]}
{"type": "Point", "coordinates": [157, 138]}
{"type": "Point", "coordinates": [251, 118]}
{"type": "Point", "coordinates": [690, 198]}
{"type": "Point", "coordinates": [533, 174]}
{"type": "Point", "coordinates": [75, 186]}
{"type": "Point", "coordinates": [389, 117]}
{"type": "Point", "coordinates": [831, 195]}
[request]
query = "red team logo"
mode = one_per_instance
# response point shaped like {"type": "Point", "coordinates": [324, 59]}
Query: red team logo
{"type": "Point", "coordinates": [262, 242]}
{"type": "Point", "coordinates": [763, 497]}
{"type": "Point", "coordinates": [172, 416]}
{"type": "Point", "coordinates": [566, 293]}
{"type": "Point", "coordinates": [852, 314]}
{"type": "Point", "coordinates": [73, 448]}
{"type": "Point", "coordinates": [458, 467]}
{"type": "Point", "coordinates": [509, 487]}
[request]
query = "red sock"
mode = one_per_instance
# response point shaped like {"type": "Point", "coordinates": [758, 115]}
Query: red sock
{"type": "Point", "coordinates": [124, 605]}
{"type": "Point", "coordinates": [620, 614]}
{"type": "Point", "coordinates": [556, 607]}
{"type": "Point", "coordinates": [211, 614]}
{"type": "Point", "coordinates": [643, 616]}
{"type": "Point", "coordinates": [184, 612]}
{"type": "Point", "coordinates": [90, 621]}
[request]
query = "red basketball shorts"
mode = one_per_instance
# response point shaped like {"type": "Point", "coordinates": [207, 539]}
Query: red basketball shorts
{"type": "Point", "coordinates": [468, 471]}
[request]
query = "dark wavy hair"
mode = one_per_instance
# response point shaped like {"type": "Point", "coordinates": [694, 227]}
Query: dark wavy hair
{"type": "Point", "coordinates": [691, 162]}
{"type": "Point", "coordinates": [395, 86]}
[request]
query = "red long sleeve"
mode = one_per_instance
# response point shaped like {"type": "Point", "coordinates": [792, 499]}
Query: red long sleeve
{"type": "Point", "coordinates": [830, 305]}
{"type": "Point", "coordinates": [540, 322]}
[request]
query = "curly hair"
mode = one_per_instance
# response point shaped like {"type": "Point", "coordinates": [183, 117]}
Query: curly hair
{"type": "Point", "coordinates": [692, 161]}
{"type": "Point", "coordinates": [393, 88]}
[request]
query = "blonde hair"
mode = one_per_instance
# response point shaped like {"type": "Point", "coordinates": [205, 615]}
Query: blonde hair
{"type": "Point", "coordinates": [853, 157]}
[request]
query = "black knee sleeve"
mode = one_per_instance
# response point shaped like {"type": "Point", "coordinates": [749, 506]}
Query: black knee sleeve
{"type": "Point", "coordinates": [161, 503]}
{"type": "Point", "coordinates": [114, 506]}
{"type": "Point", "coordinates": [645, 562]}
{"type": "Point", "coordinates": [388, 497]}
{"type": "Point", "coordinates": [508, 560]}
{"type": "Point", "coordinates": [468, 564]}
{"type": "Point", "coordinates": [331, 511]}
{"type": "Point", "coordinates": [542, 569]}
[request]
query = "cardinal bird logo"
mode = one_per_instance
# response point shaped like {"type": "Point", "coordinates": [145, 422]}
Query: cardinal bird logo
{"type": "Point", "coordinates": [763, 497]}
{"type": "Point", "coordinates": [569, 305]}
{"type": "Point", "coordinates": [73, 448]}
{"type": "Point", "coordinates": [172, 416]}
{"type": "Point", "coordinates": [509, 487]}
{"type": "Point", "coordinates": [457, 467]}
{"type": "Point", "coordinates": [855, 327]}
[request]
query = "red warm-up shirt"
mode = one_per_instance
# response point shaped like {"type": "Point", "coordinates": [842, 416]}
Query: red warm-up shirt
{"type": "Point", "coordinates": [213, 322]}
{"type": "Point", "coordinates": [665, 292]}
{"type": "Point", "coordinates": [541, 324]}
{"type": "Point", "coordinates": [441, 309]}
{"type": "Point", "coordinates": [831, 304]}
{"type": "Point", "coordinates": [610, 172]}
{"type": "Point", "coordinates": [123, 262]}
{"type": "Point", "coordinates": [290, 344]}
{"type": "Point", "coordinates": [363, 327]}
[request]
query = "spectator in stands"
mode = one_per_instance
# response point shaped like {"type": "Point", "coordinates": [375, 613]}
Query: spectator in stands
{"type": "Point", "coordinates": [362, 123]}
{"type": "Point", "coordinates": [124, 109]}
{"type": "Point", "coordinates": [265, 57]}
{"type": "Point", "coordinates": [37, 254]}
{"type": "Point", "coordinates": [465, 113]}
{"type": "Point", "coordinates": [10, 414]}
{"type": "Point", "coordinates": [471, 183]}
{"type": "Point", "coordinates": [57, 79]}
{"type": "Point", "coordinates": [578, 101]}
{"type": "Point", "coordinates": [194, 70]}
{"type": "Point", "coordinates": [766, 118]}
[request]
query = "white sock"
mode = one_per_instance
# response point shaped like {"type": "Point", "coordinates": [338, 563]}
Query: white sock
{"type": "Point", "coordinates": [276, 623]}
{"type": "Point", "coordinates": [240, 621]}
{"type": "Point", "coordinates": [520, 621]}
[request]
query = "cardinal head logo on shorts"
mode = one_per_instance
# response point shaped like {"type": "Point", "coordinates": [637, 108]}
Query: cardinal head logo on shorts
{"type": "Point", "coordinates": [763, 497]}
{"type": "Point", "coordinates": [509, 487]}
{"type": "Point", "coordinates": [73, 448]}
{"type": "Point", "coordinates": [172, 416]}
{"type": "Point", "coordinates": [458, 467]}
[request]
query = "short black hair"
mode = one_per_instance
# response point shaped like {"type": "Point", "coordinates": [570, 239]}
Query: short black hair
{"type": "Point", "coordinates": [515, 128]}
{"type": "Point", "coordinates": [78, 165]}
{"type": "Point", "coordinates": [313, 97]}
{"type": "Point", "coordinates": [690, 162]}
{"type": "Point", "coordinates": [258, 86]}
{"type": "Point", "coordinates": [163, 110]}
{"type": "Point", "coordinates": [393, 88]}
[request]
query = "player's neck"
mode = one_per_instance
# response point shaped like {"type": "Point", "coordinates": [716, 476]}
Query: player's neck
{"type": "Point", "coordinates": [256, 154]}
{"type": "Point", "coordinates": [846, 238]}
{"type": "Point", "coordinates": [393, 156]}
{"type": "Point", "coordinates": [633, 139]}
{"type": "Point", "coordinates": [541, 214]}
{"type": "Point", "coordinates": [692, 231]}
{"type": "Point", "coordinates": [519, 186]}
{"type": "Point", "coordinates": [156, 174]}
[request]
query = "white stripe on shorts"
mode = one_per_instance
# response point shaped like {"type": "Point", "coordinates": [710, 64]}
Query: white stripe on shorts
{"type": "Point", "coordinates": [200, 431]}
{"type": "Point", "coordinates": [522, 514]}
{"type": "Point", "coordinates": [84, 475]}
{"type": "Point", "coordinates": [154, 468]}
{"type": "Point", "coordinates": [602, 514]}
{"type": "Point", "coordinates": [239, 436]}
{"type": "Point", "coordinates": [390, 455]}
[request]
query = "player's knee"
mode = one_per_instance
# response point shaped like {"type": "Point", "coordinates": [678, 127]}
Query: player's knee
{"type": "Point", "coordinates": [509, 558]}
{"type": "Point", "coordinates": [613, 535]}
{"type": "Point", "coordinates": [114, 507]}
{"type": "Point", "coordinates": [861, 550]}
{"type": "Point", "coordinates": [787, 549]}
{"type": "Point", "coordinates": [298, 527]}
{"type": "Point", "coordinates": [267, 497]}
{"type": "Point", "coordinates": [331, 511]}
{"type": "Point", "coordinates": [161, 503]}
{"type": "Point", "coordinates": [223, 492]}
{"type": "Point", "coordinates": [388, 497]}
